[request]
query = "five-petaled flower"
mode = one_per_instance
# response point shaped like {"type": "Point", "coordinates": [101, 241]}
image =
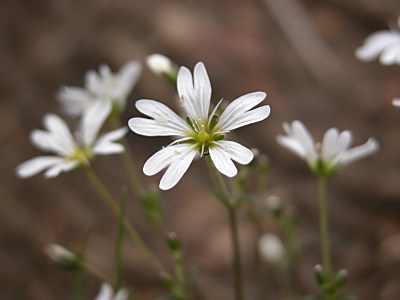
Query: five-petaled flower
{"type": "Point", "coordinates": [103, 87]}
{"type": "Point", "coordinates": [71, 152]}
{"type": "Point", "coordinates": [326, 158]}
{"type": "Point", "coordinates": [385, 44]}
{"type": "Point", "coordinates": [202, 132]}
{"type": "Point", "coordinates": [107, 293]}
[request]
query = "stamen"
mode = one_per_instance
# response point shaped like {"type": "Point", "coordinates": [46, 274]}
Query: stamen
{"type": "Point", "coordinates": [202, 150]}
{"type": "Point", "coordinates": [213, 112]}
{"type": "Point", "coordinates": [179, 140]}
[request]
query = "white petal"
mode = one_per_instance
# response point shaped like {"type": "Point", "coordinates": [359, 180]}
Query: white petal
{"type": "Point", "coordinates": [162, 114]}
{"type": "Point", "coordinates": [391, 54]}
{"type": "Point", "coordinates": [92, 121]}
{"type": "Point", "coordinates": [236, 151]}
{"type": "Point", "coordinates": [114, 135]}
{"type": "Point", "coordinates": [63, 166]}
{"type": "Point", "coordinates": [396, 102]}
{"type": "Point", "coordinates": [370, 147]}
{"type": "Point", "coordinates": [105, 144]}
{"type": "Point", "coordinates": [375, 44]}
{"type": "Point", "coordinates": [106, 292]}
{"type": "Point", "coordinates": [48, 141]}
{"type": "Point", "coordinates": [222, 161]}
{"type": "Point", "coordinates": [36, 165]}
{"type": "Point", "coordinates": [301, 134]}
{"type": "Point", "coordinates": [250, 117]}
{"type": "Point", "coordinates": [129, 73]}
{"type": "Point", "coordinates": [92, 82]}
{"type": "Point", "coordinates": [106, 148]}
{"type": "Point", "coordinates": [60, 132]}
{"type": "Point", "coordinates": [74, 100]}
{"type": "Point", "coordinates": [292, 145]}
{"type": "Point", "coordinates": [329, 145]}
{"type": "Point", "coordinates": [186, 93]}
{"type": "Point", "coordinates": [164, 157]}
{"type": "Point", "coordinates": [127, 78]}
{"type": "Point", "coordinates": [202, 88]}
{"type": "Point", "coordinates": [122, 295]}
{"type": "Point", "coordinates": [149, 127]}
{"type": "Point", "coordinates": [177, 168]}
{"type": "Point", "coordinates": [237, 113]}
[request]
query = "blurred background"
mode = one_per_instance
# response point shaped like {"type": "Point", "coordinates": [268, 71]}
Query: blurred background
{"type": "Point", "coordinates": [300, 52]}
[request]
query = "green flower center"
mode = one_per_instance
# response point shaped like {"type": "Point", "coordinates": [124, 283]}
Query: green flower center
{"type": "Point", "coordinates": [203, 137]}
{"type": "Point", "coordinates": [81, 155]}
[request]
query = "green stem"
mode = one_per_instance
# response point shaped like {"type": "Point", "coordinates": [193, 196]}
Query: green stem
{"type": "Point", "coordinates": [132, 232]}
{"type": "Point", "coordinates": [95, 273]}
{"type": "Point", "coordinates": [118, 242]}
{"type": "Point", "coordinates": [129, 165]}
{"type": "Point", "coordinates": [78, 285]}
{"type": "Point", "coordinates": [324, 230]}
{"type": "Point", "coordinates": [224, 195]}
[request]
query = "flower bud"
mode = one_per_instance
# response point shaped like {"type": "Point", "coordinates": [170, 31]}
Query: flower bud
{"type": "Point", "coordinates": [273, 203]}
{"type": "Point", "coordinates": [320, 275]}
{"type": "Point", "coordinates": [174, 243]}
{"type": "Point", "coordinates": [271, 248]}
{"type": "Point", "coordinates": [62, 256]}
{"type": "Point", "coordinates": [340, 279]}
{"type": "Point", "coordinates": [167, 280]}
{"type": "Point", "coordinates": [162, 65]}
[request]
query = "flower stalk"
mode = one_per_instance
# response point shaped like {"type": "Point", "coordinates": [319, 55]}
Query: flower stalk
{"type": "Point", "coordinates": [129, 165]}
{"type": "Point", "coordinates": [223, 194]}
{"type": "Point", "coordinates": [132, 232]}
{"type": "Point", "coordinates": [324, 228]}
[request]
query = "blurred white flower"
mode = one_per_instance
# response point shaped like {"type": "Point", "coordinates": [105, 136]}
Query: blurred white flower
{"type": "Point", "coordinates": [103, 87]}
{"type": "Point", "coordinates": [324, 159]}
{"type": "Point", "coordinates": [107, 293]}
{"type": "Point", "coordinates": [271, 248]}
{"type": "Point", "coordinates": [396, 102]}
{"type": "Point", "coordinates": [385, 44]}
{"type": "Point", "coordinates": [201, 132]}
{"type": "Point", "coordinates": [71, 151]}
{"type": "Point", "coordinates": [160, 64]}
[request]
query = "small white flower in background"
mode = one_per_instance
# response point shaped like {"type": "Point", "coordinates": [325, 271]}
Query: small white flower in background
{"type": "Point", "coordinates": [71, 151]}
{"type": "Point", "coordinates": [59, 254]}
{"type": "Point", "coordinates": [396, 102]}
{"type": "Point", "coordinates": [107, 293]}
{"type": "Point", "coordinates": [326, 158]}
{"type": "Point", "coordinates": [271, 248]}
{"type": "Point", "coordinates": [103, 87]}
{"type": "Point", "coordinates": [384, 44]}
{"type": "Point", "coordinates": [202, 132]}
{"type": "Point", "coordinates": [160, 64]}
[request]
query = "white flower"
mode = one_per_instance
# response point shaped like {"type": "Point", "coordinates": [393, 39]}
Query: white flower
{"type": "Point", "coordinates": [396, 102]}
{"type": "Point", "coordinates": [103, 87]}
{"type": "Point", "coordinates": [385, 44]}
{"type": "Point", "coordinates": [271, 248]}
{"type": "Point", "coordinates": [107, 293]}
{"type": "Point", "coordinates": [201, 132]}
{"type": "Point", "coordinates": [160, 64]}
{"type": "Point", "coordinates": [71, 151]}
{"type": "Point", "coordinates": [324, 159]}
